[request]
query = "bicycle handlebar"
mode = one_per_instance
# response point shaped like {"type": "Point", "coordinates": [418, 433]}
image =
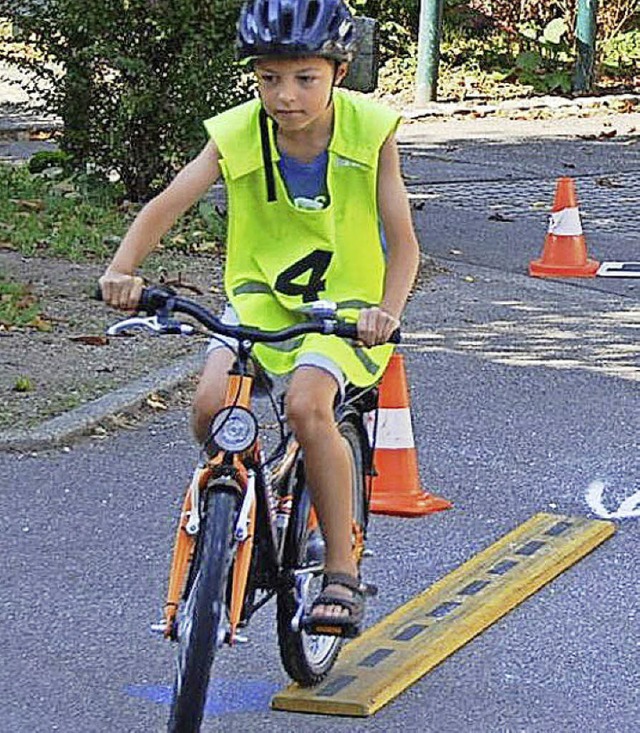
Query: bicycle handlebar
{"type": "Point", "coordinates": [154, 299]}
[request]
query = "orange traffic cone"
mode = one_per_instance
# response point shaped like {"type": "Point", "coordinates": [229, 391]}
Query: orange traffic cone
{"type": "Point", "coordinates": [396, 487]}
{"type": "Point", "coordinates": [565, 249]}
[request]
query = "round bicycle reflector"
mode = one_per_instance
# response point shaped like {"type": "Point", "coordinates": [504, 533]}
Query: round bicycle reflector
{"type": "Point", "coordinates": [234, 429]}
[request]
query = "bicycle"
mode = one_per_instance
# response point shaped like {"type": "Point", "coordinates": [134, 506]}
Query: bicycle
{"type": "Point", "coordinates": [247, 530]}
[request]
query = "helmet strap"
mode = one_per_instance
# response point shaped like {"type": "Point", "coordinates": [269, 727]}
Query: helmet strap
{"type": "Point", "coordinates": [266, 156]}
{"type": "Point", "coordinates": [336, 64]}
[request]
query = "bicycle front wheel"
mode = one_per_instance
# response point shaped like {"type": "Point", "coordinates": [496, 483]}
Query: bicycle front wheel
{"type": "Point", "coordinates": [202, 621]}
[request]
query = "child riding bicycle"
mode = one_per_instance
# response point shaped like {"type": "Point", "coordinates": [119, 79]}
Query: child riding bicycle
{"type": "Point", "coordinates": [317, 210]}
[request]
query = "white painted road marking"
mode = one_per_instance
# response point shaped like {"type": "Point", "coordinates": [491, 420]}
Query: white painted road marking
{"type": "Point", "coordinates": [600, 338]}
{"type": "Point", "coordinates": [628, 509]}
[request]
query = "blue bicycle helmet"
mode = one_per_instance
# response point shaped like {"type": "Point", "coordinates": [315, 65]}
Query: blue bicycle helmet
{"type": "Point", "coordinates": [296, 28]}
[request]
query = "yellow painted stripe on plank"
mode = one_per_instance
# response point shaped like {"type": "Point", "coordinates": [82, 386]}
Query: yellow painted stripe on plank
{"type": "Point", "coordinates": [390, 656]}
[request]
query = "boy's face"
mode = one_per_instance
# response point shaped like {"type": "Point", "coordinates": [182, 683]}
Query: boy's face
{"type": "Point", "coordinates": [296, 92]}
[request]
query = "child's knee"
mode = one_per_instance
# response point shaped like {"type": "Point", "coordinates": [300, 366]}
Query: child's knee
{"type": "Point", "coordinates": [206, 403]}
{"type": "Point", "coordinates": [307, 411]}
{"type": "Point", "coordinates": [203, 408]}
{"type": "Point", "coordinates": [209, 394]}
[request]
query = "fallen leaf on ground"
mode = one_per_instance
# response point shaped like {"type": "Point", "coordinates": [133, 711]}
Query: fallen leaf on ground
{"type": "Point", "coordinates": [206, 246]}
{"type": "Point", "coordinates": [40, 135]}
{"type": "Point", "coordinates": [120, 420]}
{"type": "Point", "coordinates": [609, 183]}
{"type": "Point", "coordinates": [156, 402]}
{"type": "Point", "coordinates": [626, 105]}
{"type": "Point", "coordinates": [29, 204]}
{"type": "Point", "coordinates": [40, 324]}
{"type": "Point", "coordinates": [602, 135]}
{"type": "Point", "coordinates": [180, 283]}
{"type": "Point", "coordinates": [90, 340]}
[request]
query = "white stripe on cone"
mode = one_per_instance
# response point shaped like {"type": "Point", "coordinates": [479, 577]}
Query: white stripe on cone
{"type": "Point", "coordinates": [565, 223]}
{"type": "Point", "coordinates": [394, 428]}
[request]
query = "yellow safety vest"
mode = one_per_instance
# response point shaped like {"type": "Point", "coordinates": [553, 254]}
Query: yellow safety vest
{"type": "Point", "coordinates": [280, 256]}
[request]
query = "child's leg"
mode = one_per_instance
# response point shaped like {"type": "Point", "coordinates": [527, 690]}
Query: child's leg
{"type": "Point", "coordinates": [209, 397]}
{"type": "Point", "coordinates": [310, 400]}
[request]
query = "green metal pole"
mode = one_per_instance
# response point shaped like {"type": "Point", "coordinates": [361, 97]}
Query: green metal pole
{"type": "Point", "coordinates": [429, 36]}
{"type": "Point", "coordinates": [586, 24]}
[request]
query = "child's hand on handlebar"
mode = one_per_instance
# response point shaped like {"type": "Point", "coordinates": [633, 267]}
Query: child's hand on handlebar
{"type": "Point", "coordinates": [121, 290]}
{"type": "Point", "coordinates": [375, 326]}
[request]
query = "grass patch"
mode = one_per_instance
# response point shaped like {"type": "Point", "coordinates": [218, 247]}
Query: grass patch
{"type": "Point", "coordinates": [18, 306]}
{"type": "Point", "coordinates": [80, 217]}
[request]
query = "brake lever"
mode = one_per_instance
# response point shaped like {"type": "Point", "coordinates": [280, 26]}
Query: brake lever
{"type": "Point", "coordinates": [151, 324]}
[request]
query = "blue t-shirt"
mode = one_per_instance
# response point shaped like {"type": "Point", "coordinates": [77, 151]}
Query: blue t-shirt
{"type": "Point", "coordinates": [306, 182]}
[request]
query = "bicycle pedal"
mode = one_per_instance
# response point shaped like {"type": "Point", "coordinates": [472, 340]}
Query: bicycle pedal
{"type": "Point", "coordinates": [237, 639]}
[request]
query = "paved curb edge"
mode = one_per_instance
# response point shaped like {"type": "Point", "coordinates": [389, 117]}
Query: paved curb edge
{"type": "Point", "coordinates": [20, 127]}
{"type": "Point", "coordinates": [59, 430]}
{"type": "Point", "coordinates": [519, 104]}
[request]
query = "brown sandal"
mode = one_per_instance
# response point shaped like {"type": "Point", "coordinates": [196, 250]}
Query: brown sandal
{"type": "Point", "coordinates": [329, 625]}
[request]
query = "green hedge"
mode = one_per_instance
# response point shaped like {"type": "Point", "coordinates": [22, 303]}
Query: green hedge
{"type": "Point", "coordinates": [132, 80]}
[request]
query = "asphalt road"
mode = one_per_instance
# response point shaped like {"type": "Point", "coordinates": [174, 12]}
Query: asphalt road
{"type": "Point", "coordinates": [524, 393]}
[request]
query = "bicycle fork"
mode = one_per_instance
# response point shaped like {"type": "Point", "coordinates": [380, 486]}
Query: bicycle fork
{"type": "Point", "coordinates": [238, 392]}
{"type": "Point", "coordinates": [183, 549]}
{"type": "Point", "coordinates": [244, 532]}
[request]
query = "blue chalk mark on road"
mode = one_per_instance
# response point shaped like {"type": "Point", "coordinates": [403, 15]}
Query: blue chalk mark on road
{"type": "Point", "coordinates": [225, 697]}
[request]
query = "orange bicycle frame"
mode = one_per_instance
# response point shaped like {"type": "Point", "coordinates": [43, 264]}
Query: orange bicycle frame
{"type": "Point", "coordinates": [238, 393]}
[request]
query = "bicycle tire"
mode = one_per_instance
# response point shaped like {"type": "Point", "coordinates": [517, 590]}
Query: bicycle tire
{"type": "Point", "coordinates": [306, 658]}
{"type": "Point", "coordinates": [200, 622]}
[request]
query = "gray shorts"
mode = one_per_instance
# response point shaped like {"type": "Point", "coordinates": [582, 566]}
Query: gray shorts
{"type": "Point", "coordinates": [320, 361]}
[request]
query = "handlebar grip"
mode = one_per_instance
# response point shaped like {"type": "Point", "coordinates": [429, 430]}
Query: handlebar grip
{"type": "Point", "coordinates": [153, 298]}
{"type": "Point", "coordinates": [346, 330]}
{"type": "Point", "coordinates": [144, 302]}
{"type": "Point", "coordinates": [97, 295]}
{"type": "Point", "coordinates": [350, 331]}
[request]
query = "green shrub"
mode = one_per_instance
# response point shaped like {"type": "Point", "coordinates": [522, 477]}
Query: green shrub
{"type": "Point", "coordinates": [398, 21]}
{"type": "Point", "coordinates": [132, 80]}
{"type": "Point", "coordinates": [621, 53]}
{"type": "Point", "coordinates": [44, 159]}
